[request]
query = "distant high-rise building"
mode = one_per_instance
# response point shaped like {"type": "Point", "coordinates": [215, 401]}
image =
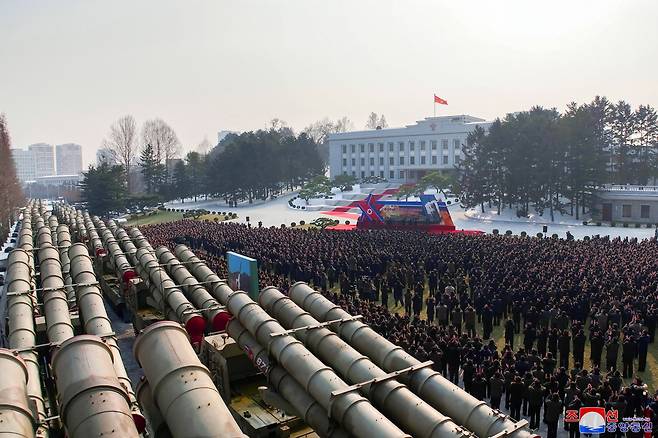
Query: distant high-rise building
{"type": "Point", "coordinates": [105, 155]}
{"type": "Point", "coordinates": [69, 159]}
{"type": "Point", "coordinates": [44, 159]}
{"type": "Point", "coordinates": [25, 166]}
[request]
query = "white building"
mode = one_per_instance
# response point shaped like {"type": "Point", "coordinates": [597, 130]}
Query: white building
{"type": "Point", "coordinates": [69, 159]}
{"type": "Point", "coordinates": [105, 155]}
{"type": "Point", "coordinates": [402, 154]}
{"type": "Point", "coordinates": [59, 180]}
{"type": "Point", "coordinates": [44, 158]}
{"type": "Point", "coordinates": [24, 163]}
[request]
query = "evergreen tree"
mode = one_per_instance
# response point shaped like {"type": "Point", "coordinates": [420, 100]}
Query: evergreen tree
{"type": "Point", "coordinates": [104, 188]}
{"type": "Point", "coordinates": [195, 173]}
{"type": "Point", "coordinates": [622, 128]}
{"type": "Point", "coordinates": [151, 169]}
{"type": "Point", "coordinates": [645, 142]}
{"type": "Point", "coordinates": [181, 182]}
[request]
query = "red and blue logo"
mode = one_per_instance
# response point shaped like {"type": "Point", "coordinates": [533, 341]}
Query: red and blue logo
{"type": "Point", "coordinates": [592, 420]}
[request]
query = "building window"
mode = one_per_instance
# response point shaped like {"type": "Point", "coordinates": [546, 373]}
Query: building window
{"type": "Point", "coordinates": [363, 174]}
{"type": "Point", "coordinates": [344, 148]}
{"type": "Point", "coordinates": [457, 160]}
{"type": "Point", "coordinates": [371, 147]}
{"type": "Point", "coordinates": [390, 147]}
{"type": "Point", "coordinates": [362, 148]}
{"type": "Point", "coordinates": [363, 162]}
{"type": "Point", "coordinates": [381, 148]}
{"type": "Point", "coordinates": [391, 161]}
{"type": "Point", "coordinates": [412, 160]}
{"type": "Point", "coordinates": [401, 145]}
{"type": "Point", "coordinates": [645, 211]}
{"type": "Point", "coordinates": [354, 174]}
{"type": "Point", "coordinates": [353, 162]}
{"type": "Point", "coordinates": [344, 162]}
{"type": "Point", "coordinates": [391, 174]}
{"type": "Point", "coordinates": [626, 210]}
{"type": "Point", "coordinates": [445, 159]}
{"type": "Point", "coordinates": [372, 173]}
{"type": "Point", "coordinates": [456, 143]}
{"type": "Point", "coordinates": [422, 160]}
{"type": "Point", "coordinates": [433, 145]}
{"type": "Point", "coordinates": [344, 172]}
{"type": "Point", "coordinates": [444, 144]}
{"type": "Point", "coordinates": [411, 145]}
{"type": "Point", "coordinates": [372, 161]}
{"type": "Point", "coordinates": [433, 159]}
{"type": "Point", "coordinates": [422, 145]}
{"type": "Point", "coordinates": [352, 147]}
{"type": "Point", "coordinates": [402, 174]}
{"type": "Point", "coordinates": [401, 161]}
{"type": "Point", "coordinates": [381, 174]}
{"type": "Point", "coordinates": [381, 161]}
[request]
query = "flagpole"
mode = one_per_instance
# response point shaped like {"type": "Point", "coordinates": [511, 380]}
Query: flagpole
{"type": "Point", "coordinates": [434, 107]}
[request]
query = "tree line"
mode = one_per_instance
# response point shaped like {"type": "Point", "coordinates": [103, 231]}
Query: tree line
{"type": "Point", "coordinates": [11, 194]}
{"type": "Point", "coordinates": [543, 160]}
{"type": "Point", "coordinates": [243, 167]}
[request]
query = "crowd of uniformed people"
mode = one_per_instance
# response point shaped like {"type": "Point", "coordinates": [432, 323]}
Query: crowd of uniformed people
{"type": "Point", "coordinates": [535, 326]}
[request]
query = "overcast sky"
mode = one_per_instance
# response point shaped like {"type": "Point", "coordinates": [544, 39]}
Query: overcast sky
{"type": "Point", "coordinates": [68, 68]}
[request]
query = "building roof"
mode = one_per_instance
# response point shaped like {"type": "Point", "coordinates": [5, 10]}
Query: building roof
{"type": "Point", "coordinates": [430, 125]}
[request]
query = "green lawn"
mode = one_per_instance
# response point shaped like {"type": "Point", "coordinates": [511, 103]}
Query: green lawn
{"type": "Point", "coordinates": [158, 218]}
{"type": "Point", "coordinates": [169, 216]}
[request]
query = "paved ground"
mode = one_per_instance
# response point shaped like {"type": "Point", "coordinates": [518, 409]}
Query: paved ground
{"type": "Point", "coordinates": [125, 339]}
{"type": "Point", "coordinates": [277, 212]}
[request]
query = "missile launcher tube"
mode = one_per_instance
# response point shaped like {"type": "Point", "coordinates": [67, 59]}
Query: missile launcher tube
{"type": "Point", "coordinates": [139, 240]}
{"type": "Point", "coordinates": [127, 245]}
{"type": "Point", "coordinates": [392, 397]}
{"type": "Point", "coordinates": [81, 230]}
{"type": "Point", "coordinates": [181, 386]}
{"type": "Point", "coordinates": [95, 243]}
{"type": "Point", "coordinates": [156, 424]}
{"type": "Point", "coordinates": [353, 411]}
{"type": "Point", "coordinates": [307, 408]}
{"type": "Point", "coordinates": [55, 303]}
{"type": "Point", "coordinates": [118, 260]}
{"type": "Point", "coordinates": [21, 333]}
{"type": "Point", "coordinates": [92, 401]}
{"type": "Point", "coordinates": [52, 223]}
{"type": "Point", "coordinates": [96, 321]}
{"type": "Point", "coordinates": [16, 418]}
{"type": "Point", "coordinates": [446, 397]}
{"type": "Point", "coordinates": [174, 297]}
{"type": "Point", "coordinates": [44, 238]}
{"type": "Point", "coordinates": [64, 242]}
{"type": "Point", "coordinates": [195, 292]}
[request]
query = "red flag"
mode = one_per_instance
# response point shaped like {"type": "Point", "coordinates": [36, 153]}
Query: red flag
{"type": "Point", "coordinates": [437, 99]}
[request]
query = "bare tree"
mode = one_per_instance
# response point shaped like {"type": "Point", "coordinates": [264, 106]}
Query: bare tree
{"type": "Point", "coordinates": [122, 141]}
{"type": "Point", "coordinates": [319, 130]}
{"type": "Point", "coordinates": [375, 121]}
{"type": "Point", "coordinates": [344, 124]}
{"type": "Point", "coordinates": [11, 195]}
{"type": "Point", "coordinates": [162, 139]}
{"type": "Point", "coordinates": [372, 121]}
